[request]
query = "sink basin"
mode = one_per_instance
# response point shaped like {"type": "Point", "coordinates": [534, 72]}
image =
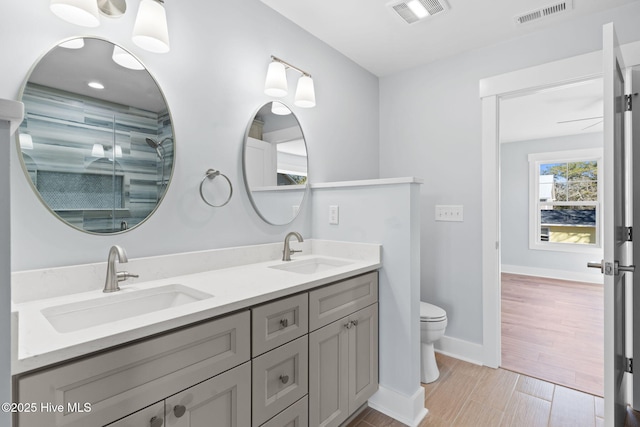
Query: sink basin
{"type": "Point", "coordinates": [311, 265]}
{"type": "Point", "coordinates": [110, 308]}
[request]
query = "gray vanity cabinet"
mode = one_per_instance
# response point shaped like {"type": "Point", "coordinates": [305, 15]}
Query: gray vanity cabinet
{"type": "Point", "coordinates": [121, 381]}
{"type": "Point", "coordinates": [343, 354]}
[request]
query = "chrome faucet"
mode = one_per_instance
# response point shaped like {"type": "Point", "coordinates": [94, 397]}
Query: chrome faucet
{"type": "Point", "coordinates": [113, 277]}
{"type": "Point", "coordinates": [287, 252]}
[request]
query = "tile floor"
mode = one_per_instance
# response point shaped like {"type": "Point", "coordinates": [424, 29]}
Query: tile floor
{"type": "Point", "coordinates": [472, 395]}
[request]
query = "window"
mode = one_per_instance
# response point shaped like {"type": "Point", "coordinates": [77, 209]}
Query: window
{"type": "Point", "coordinates": [564, 194]}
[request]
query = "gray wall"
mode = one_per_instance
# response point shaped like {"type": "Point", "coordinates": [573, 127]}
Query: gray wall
{"type": "Point", "coordinates": [213, 82]}
{"type": "Point", "coordinates": [514, 212]}
{"type": "Point", "coordinates": [430, 126]}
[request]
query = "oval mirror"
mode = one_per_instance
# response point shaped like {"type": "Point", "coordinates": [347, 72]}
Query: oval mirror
{"type": "Point", "coordinates": [97, 141]}
{"type": "Point", "coordinates": [275, 163]}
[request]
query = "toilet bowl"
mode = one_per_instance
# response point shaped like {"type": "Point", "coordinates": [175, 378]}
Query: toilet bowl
{"type": "Point", "coordinates": [433, 321]}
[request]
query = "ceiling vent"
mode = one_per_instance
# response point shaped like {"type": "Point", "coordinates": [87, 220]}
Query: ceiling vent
{"type": "Point", "coordinates": [543, 12]}
{"type": "Point", "coordinates": [405, 11]}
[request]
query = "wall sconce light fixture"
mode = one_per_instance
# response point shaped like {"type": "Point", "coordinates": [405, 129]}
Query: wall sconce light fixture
{"type": "Point", "coordinates": [150, 31]}
{"type": "Point", "coordinates": [276, 83]}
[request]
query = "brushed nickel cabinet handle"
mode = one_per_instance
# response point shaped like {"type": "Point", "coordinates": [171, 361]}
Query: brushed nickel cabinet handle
{"type": "Point", "coordinates": [284, 379]}
{"type": "Point", "coordinates": [179, 410]}
{"type": "Point", "coordinates": [156, 422]}
{"type": "Point", "coordinates": [284, 323]}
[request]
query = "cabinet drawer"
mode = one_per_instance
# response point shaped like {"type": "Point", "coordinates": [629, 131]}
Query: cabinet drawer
{"type": "Point", "coordinates": [335, 301]}
{"type": "Point", "coordinates": [124, 380]}
{"type": "Point", "coordinates": [295, 415]}
{"type": "Point", "coordinates": [280, 378]}
{"type": "Point", "coordinates": [279, 322]}
{"type": "Point", "coordinates": [153, 416]}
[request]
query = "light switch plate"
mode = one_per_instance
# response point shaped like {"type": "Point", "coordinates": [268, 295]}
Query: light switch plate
{"type": "Point", "coordinates": [449, 213]}
{"type": "Point", "coordinates": [334, 216]}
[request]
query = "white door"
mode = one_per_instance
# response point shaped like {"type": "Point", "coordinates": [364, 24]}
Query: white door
{"type": "Point", "coordinates": [614, 222]}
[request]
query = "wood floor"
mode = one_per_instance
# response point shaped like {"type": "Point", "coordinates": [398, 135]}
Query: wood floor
{"type": "Point", "coordinates": [472, 395]}
{"type": "Point", "coordinates": [553, 330]}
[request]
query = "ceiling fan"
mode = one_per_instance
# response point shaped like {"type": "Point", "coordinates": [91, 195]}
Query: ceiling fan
{"type": "Point", "coordinates": [586, 118]}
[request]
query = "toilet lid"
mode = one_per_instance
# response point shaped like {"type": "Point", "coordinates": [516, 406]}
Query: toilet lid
{"type": "Point", "coordinates": [430, 312]}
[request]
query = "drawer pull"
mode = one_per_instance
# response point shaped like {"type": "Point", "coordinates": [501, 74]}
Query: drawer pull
{"type": "Point", "coordinates": [284, 323]}
{"type": "Point", "coordinates": [355, 322]}
{"type": "Point", "coordinates": [284, 379]}
{"type": "Point", "coordinates": [156, 422]}
{"type": "Point", "coordinates": [179, 410]}
{"type": "Point", "coordinates": [348, 325]}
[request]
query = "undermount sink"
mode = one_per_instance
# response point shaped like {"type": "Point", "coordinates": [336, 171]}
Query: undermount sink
{"type": "Point", "coordinates": [110, 308]}
{"type": "Point", "coordinates": [311, 265]}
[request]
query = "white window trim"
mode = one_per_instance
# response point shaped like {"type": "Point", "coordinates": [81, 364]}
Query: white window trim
{"type": "Point", "coordinates": [535, 160]}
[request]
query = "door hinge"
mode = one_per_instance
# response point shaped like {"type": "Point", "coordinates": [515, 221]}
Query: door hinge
{"type": "Point", "coordinates": [628, 234]}
{"type": "Point", "coordinates": [627, 102]}
{"type": "Point", "coordinates": [628, 365]}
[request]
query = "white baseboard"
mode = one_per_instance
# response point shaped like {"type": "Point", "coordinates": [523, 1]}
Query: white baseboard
{"type": "Point", "coordinates": [553, 274]}
{"type": "Point", "coordinates": [460, 349]}
{"type": "Point", "coordinates": [408, 410]}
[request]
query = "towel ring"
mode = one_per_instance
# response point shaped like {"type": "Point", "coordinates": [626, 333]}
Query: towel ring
{"type": "Point", "coordinates": [211, 174]}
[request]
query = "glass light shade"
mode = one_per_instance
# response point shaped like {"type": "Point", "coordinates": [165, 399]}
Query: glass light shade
{"type": "Point", "coordinates": [97, 150]}
{"type": "Point", "coordinates": [79, 12]}
{"type": "Point", "coordinates": [125, 59]}
{"type": "Point", "coordinates": [305, 93]}
{"type": "Point", "coordinates": [118, 151]}
{"type": "Point", "coordinates": [26, 142]}
{"type": "Point", "coordinates": [276, 83]}
{"type": "Point", "coordinates": [280, 109]}
{"type": "Point", "coordinates": [150, 30]}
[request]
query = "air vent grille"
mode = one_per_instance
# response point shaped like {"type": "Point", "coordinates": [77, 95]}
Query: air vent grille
{"type": "Point", "coordinates": [434, 7]}
{"type": "Point", "coordinates": [544, 12]}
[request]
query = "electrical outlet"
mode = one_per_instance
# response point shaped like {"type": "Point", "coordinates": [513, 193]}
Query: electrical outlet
{"type": "Point", "coordinates": [449, 213]}
{"type": "Point", "coordinates": [334, 216]}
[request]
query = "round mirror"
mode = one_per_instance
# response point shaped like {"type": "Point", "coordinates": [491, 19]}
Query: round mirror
{"type": "Point", "coordinates": [97, 140]}
{"type": "Point", "coordinates": [275, 163]}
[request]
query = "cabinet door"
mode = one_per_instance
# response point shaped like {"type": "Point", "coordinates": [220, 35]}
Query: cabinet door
{"type": "Point", "coordinates": [363, 356]}
{"type": "Point", "coordinates": [223, 401]}
{"type": "Point", "coordinates": [329, 375]}
{"type": "Point", "coordinates": [152, 416]}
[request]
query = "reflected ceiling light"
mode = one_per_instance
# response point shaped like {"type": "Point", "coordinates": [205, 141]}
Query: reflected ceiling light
{"type": "Point", "coordinates": [26, 142]}
{"type": "Point", "coordinates": [97, 150]}
{"type": "Point", "coordinates": [80, 12]}
{"type": "Point", "coordinates": [150, 30]}
{"type": "Point", "coordinates": [73, 44]}
{"type": "Point", "coordinates": [95, 85]}
{"type": "Point", "coordinates": [276, 83]}
{"type": "Point", "coordinates": [279, 108]}
{"type": "Point", "coordinates": [125, 59]}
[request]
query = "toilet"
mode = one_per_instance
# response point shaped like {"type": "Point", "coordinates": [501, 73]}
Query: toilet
{"type": "Point", "coordinates": [433, 321]}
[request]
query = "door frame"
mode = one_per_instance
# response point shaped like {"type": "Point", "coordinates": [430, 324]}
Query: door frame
{"type": "Point", "coordinates": [565, 71]}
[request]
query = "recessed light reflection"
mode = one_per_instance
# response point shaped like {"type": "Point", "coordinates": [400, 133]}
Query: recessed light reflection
{"type": "Point", "coordinates": [95, 85]}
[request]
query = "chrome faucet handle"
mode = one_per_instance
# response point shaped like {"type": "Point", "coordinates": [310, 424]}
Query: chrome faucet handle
{"type": "Point", "coordinates": [124, 275]}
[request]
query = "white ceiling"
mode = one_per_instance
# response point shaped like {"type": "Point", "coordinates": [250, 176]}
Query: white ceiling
{"type": "Point", "coordinates": [375, 37]}
{"type": "Point", "coordinates": [566, 110]}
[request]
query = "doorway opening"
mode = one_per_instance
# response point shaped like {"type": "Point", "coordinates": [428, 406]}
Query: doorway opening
{"type": "Point", "coordinates": [552, 307]}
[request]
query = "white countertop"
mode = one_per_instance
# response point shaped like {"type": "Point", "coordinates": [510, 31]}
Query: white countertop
{"type": "Point", "coordinates": [38, 344]}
